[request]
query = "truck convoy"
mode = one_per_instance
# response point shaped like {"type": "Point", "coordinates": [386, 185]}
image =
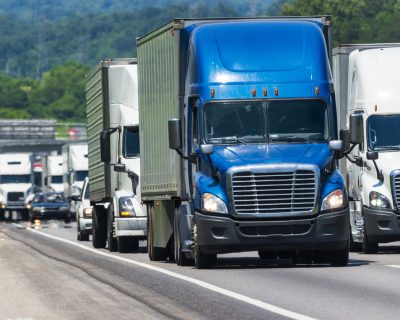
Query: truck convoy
{"type": "Point", "coordinates": [238, 141]}
{"type": "Point", "coordinates": [118, 216]}
{"type": "Point", "coordinates": [366, 79]}
{"type": "Point", "coordinates": [15, 182]}
{"type": "Point", "coordinates": [52, 173]}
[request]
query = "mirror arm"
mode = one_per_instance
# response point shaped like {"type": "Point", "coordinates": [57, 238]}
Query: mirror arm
{"type": "Point", "coordinates": [379, 173]}
{"type": "Point", "coordinates": [191, 157]}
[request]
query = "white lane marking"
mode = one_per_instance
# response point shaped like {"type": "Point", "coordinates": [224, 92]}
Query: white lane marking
{"type": "Point", "coordinates": [393, 266]}
{"type": "Point", "coordinates": [203, 284]}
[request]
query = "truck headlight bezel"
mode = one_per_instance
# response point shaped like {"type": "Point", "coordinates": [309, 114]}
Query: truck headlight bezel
{"type": "Point", "coordinates": [212, 203]}
{"type": "Point", "coordinates": [334, 200]}
{"type": "Point", "coordinates": [379, 201]}
{"type": "Point", "coordinates": [126, 208]}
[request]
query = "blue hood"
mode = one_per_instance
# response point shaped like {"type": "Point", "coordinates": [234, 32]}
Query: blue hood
{"type": "Point", "coordinates": [225, 157]}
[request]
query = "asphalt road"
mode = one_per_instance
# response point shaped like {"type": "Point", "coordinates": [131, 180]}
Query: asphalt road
{"type": "Point", "coordinates": [46, 274]}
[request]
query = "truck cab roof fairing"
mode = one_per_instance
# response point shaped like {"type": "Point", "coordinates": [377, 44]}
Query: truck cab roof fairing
{"type": "Point", "coordinates": [216, 63]}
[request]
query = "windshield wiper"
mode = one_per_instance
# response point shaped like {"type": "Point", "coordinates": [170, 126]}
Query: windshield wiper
{"type": "Point", "coordinates": [290, 139]}
{"type": "Point", "coordinates": [229, 140]}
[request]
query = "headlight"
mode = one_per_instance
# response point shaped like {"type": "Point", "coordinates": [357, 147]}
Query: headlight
{"type": "Point", "coordinates": [87, 212]}
{"type": "Point", "coordinates": [379, 201]}
{"type": "Point", "coordinates": [28, 206]}
{"type": "Point", "coordinates": [334, 200]}
{"type": "Point", "coordinates": [212, 203]}
{"type": "Point", "coordinates": [126, 207]}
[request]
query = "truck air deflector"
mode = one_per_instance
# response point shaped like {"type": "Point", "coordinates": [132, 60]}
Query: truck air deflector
{"type": "Point", "coordinates": [280, 190]}
{"type": "Point", "coordinates": [253, 55]}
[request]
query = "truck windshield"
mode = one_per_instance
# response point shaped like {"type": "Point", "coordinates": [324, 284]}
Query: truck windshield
{"type": "Point", "coordinates": [304, 121]}
{"type": "Point", "coordinates": [384, 132]}
{"type": "Point", "coordinates": [56, 179]}
{"type": "Point", "coordinates": [20, 178]}
{"type": "Point", "coordinates": [80, 175]}
{"type": "Point", "coordinates": [131, 146]}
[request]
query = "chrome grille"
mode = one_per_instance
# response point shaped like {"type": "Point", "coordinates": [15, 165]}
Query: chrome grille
{"type": "Point", "coordinates": [396, 188]}
{"type": "Point", "coordinates": [274, 192]}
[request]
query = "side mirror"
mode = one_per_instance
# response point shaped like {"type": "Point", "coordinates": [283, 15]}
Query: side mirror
{"type": "Point", "coordinates": [119, 167]}
{"type": "Point", "coordinates": [76, 197]}
{"type": "Point", "coordinates": [336, 145]}
{"type": "Point", "coordinates": [174, 134]}
{"type": "Point", "coordinates": [207, 148]}
{"type": "Point", "coordinates": [344, 135]}
{"type": "Point", "coordinates": [105, 146]}
{"type": "Point", "coordinates": [356, 128]}
{"type": "Point", "coordinates": [372, 155]}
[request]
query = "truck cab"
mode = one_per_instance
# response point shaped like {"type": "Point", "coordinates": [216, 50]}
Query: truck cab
{"type": "Point", "coordinates": [118, 215]}
{"type": "Point", "coordinates": [15, 182]}
{"type": "Point", "coordinates": [372, 167]}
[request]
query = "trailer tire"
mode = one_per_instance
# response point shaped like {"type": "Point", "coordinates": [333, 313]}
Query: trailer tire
{"type": "Point", "coordinates": [112, 242]}
{"type": "Point", "coordinates": [99, 229]}
{"type": "Point", "coordinates": [155, 253]}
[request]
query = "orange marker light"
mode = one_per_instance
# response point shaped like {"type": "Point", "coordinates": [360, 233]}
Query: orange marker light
{"type": "Point", "coordinates": [253, 92]}
{"type": "Point", "coordinates": [316, 91]}
{"type": "Point", "coordinates": [265, 92]}
{"type": "Point", "coordinates": [212, 93]}
{"type": "Point", "coordinates": [276, 91]}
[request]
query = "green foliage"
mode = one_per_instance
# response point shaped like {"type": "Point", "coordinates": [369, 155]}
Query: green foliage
{"type": "Point", "coordinates": [355, 21]}
{"type": "Point", "coordinates": [59, 94]}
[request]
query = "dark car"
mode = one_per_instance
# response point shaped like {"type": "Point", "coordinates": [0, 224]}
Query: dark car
{"type": "Point", "coordinates": [50, 205]}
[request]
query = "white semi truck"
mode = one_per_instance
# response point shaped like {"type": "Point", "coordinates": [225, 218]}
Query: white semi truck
{"type": "Point", "coordinates": [118, 217]}
{"type": "Point", "coordinates": [75, 170]}
{"type": "Point", "coordinates": [366, 81]}
{"type": "Point", "coordinates": [52, 173]}
{"type": "Point", "coordinates": [15, 183]}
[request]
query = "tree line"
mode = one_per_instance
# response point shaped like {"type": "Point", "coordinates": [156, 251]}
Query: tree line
{"type": "Point", "coordinates": [37, 82]}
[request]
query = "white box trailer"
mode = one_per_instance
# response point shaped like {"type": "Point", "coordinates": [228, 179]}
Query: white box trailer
{"type": "Point", "coordinates": [118, 216]}
{"type": "Point", "coordinates": [366, 78]}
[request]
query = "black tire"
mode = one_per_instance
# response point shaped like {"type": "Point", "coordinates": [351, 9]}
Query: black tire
{"type": "Point", "coordinates": [112, 241]}
{"type": "Point", "coordinates": [201, 259]}
{"type": "Point", "coordinates": [155, 253]}
{"type": "Point", "coordinates": [32, 219]}
{"type": "Point", "coordinates": [99, 229]}
{"type": "Point", "coordinates": [369, 247]}
{"type": "Point", "coordinates": [339, 258]}
{"type": "Point", "coordinates": [180, 257]}
{"type": "Point", "coordinates": [127, 244]}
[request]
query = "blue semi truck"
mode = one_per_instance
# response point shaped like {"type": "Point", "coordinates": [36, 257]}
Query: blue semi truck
{"type": "Point", "coordinates": [239, 141]}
